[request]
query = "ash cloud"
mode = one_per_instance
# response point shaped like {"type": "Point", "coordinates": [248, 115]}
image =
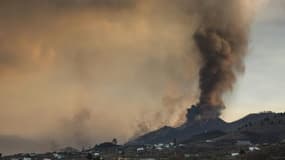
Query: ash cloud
{"type": "Point", "coordinates": [132, 65]}
{"type": "Point", "coordinates": [222, 40]}
{"type": "Point", "coordinates": [118, 62]}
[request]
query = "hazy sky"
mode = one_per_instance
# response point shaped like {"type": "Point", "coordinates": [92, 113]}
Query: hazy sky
{"type": "Point", "coordinates": [261, 87]}
{"type": "Point", "coordinates": [76, 73]}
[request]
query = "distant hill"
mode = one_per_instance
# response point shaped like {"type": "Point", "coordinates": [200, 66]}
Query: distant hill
{"type": "Point", "coordinates": [13, 144]}
{"type": "Point", "coordinates": [258, 128]}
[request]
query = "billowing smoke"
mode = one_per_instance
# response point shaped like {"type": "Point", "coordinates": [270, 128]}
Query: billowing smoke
{"type": "Point", "coordinates": [86, 71]}
{"type": "Point", "coordinates": [222, 40]}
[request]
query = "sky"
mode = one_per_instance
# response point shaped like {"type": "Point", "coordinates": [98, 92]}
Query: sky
{"type": "Point", "coordinates": [74, 73]}
{"type": "Point", "coordinates": [261, 87]}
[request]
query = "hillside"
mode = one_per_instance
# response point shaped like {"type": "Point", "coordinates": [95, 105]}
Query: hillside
{"type": "Point", "coordinates": [258, 128]}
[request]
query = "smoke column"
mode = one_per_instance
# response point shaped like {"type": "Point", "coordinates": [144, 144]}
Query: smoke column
{"type": "Point", "coordinates": [222, 40]}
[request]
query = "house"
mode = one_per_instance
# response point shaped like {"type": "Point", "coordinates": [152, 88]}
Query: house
{"type": "Point", "coordinates": [234, 154]}
{"type": "Point", "coordinates": [58, 156]}
{"type": "Point", "coordinates": [209, 141]}
{"type": "Point", "coordinates": [253, 149]}
{"type": "Point", "coordinates": [140, 150]}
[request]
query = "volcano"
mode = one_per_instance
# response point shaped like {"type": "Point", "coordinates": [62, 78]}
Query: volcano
{"type": "Point", "coordinates": [264, 124]}
{"type": "Point", "coordinates": [195, 124]}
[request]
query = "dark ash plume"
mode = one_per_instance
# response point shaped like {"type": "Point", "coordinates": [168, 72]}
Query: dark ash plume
{"type": "Point", "coordinates": [222, 39]}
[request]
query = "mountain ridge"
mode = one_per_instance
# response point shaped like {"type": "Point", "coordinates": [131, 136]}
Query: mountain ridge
{"type": "Point", "coordinates": [241, 127]}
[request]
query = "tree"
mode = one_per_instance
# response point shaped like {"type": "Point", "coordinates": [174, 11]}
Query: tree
{"type": "Point", "coordinates": [89, 156]}
{"type": "Point", "coordinates": [114, 141]}
{"type": "Point", "coordinates": [242, 151]}
{"type": "Point", "coordinates": [267, 119]}
{"type": "Point", "coordinates": [174, 141]}
{"type": "Point", "coordinates": [249, 124]}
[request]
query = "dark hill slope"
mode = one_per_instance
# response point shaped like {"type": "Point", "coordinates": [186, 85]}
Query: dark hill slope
{"type": "Point", "coordinates": [261, 127]}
